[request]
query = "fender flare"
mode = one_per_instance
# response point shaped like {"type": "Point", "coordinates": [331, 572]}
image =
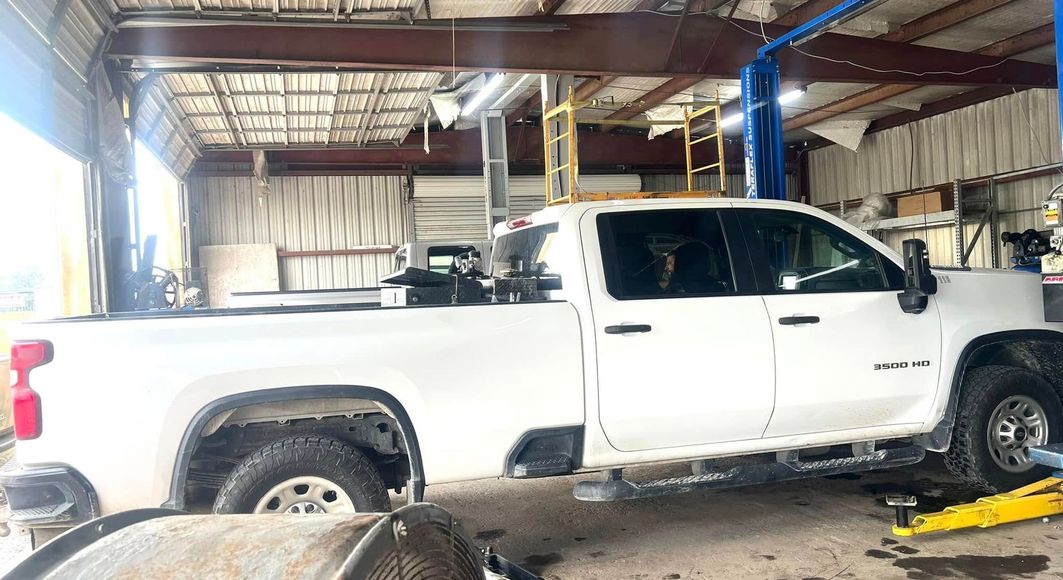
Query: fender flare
{"type": "Point", "coordinates": [179, 477]}
{"type": "Point", "coordinates": [941, 437]}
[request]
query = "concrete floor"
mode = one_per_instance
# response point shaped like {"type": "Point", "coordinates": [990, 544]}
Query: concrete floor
{"type": "Point", "coordinates": [820, 528]}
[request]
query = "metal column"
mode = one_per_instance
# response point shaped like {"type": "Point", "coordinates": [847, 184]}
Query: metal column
{"type": "Point", "coordinates": [496, 167]}
{"type": "Point", "coordinates": [116, 230]}
{"type": "Point", "coordinates": [957, 201]}
{"type": "Point", "coordinates": [994, 225]}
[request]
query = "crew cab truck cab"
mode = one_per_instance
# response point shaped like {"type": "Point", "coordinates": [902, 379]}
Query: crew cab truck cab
{"type": "Point", "coordinates": [661, 331]}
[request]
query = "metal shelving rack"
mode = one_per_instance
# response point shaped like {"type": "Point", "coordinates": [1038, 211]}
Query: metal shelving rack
{"type": "Point", "coordinates": [966, 208]}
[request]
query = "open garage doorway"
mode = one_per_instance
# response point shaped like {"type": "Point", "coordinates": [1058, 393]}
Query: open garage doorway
{"type": "Point", "coordinates": [158, 210]}
{"type": "Point", "coordinates": [44, 260]}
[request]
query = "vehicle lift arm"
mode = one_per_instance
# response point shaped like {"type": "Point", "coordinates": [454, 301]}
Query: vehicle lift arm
{"type": "Point", "coordinates": [1037, 500]}
{"type": "Point", "coordinates": [762, 114]}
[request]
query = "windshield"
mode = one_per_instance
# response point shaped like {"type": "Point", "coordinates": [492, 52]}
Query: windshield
{"type": "Point", "coordinates": [526, 252]}
{"type": "Point", "coordinates": [441, 258]}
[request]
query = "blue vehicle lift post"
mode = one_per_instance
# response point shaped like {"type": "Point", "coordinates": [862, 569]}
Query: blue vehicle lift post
{"type": "Point", "coordinates": [760, 102]}
{"type": "Point", "coordinates": [1057, 9]}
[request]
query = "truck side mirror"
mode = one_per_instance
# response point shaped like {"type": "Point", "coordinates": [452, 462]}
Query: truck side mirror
{"type": "Point", "coordinates": [919, 281]}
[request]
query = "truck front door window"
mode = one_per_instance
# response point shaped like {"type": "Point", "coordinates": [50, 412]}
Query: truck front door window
{"type": "Point", "coordinates": [805, 255]}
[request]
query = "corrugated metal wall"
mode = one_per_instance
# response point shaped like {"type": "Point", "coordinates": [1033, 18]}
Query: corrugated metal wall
{"type": "Point", "coordinates": [1011, 133]}
{"type": "Point", "coordinates": [454, 208]}
{"type": "Point", "coordinates": [1006, 134]}
{"type": "Point", "coordinates": [305, 213]}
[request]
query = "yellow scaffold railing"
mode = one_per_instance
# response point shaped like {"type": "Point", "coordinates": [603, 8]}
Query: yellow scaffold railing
{"type": "Point", "coordinates": [566, 139]}
{"type": "Point", "coordinates": [712, 110]}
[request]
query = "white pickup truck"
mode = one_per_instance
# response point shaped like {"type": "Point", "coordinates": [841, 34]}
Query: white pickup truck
{"type": "Point", "coordinates": [656, 331]}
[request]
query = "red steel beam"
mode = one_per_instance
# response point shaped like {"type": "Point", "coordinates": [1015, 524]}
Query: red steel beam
{"type": "Point", "coordinates": [942, 18]}
{"type": "Point", "coordinates": [590, 87]}
{"type": "Point", "coordinates": [938, 107]}
{"type": "Point", "coordinates": [805, 12]}
{"type": "Point", "coordinates": [914, 30]}
{"type": "Point", "coordinates": [798, 15]}
{"type": "Point", "coordinates": [1018, 44]}
{"type": "Point", "coordinates": [533, 102]}
{"type": "Point", "coordinates": [936, 21]}
{"type": "Point", "coordinates": [583, 92]}
{"type": "Point", "coordinates": [636, 44]}
{"type": "Point", "coordinates": [651, 99]}
{"type": "Point", "coordinates": [462, 150]}
{"type": "Point", "coordinates": [1012, 46]}
{"type": "Point", "coordinates": [549, 7]}
{"type": "Point", "coordinates": [926, 111]}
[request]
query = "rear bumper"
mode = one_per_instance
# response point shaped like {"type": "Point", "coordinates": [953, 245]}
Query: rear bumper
{"type": "Point", "coordinates": [49, 496]}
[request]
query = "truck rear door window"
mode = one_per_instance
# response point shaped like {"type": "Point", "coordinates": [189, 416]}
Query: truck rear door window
{"type": "Point", "coordinates": [665, 253]}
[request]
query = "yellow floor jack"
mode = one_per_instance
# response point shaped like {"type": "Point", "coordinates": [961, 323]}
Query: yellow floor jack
{"type": "Point", "coordinates": [1037, 500]}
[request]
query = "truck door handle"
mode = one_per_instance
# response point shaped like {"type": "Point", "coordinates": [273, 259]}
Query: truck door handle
{"type": "Point", "coordinates": [626, 328]}
{"type": "Point", "coordinates": [792, 320]}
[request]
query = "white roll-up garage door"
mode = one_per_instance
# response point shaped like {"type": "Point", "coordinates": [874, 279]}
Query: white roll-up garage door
{"type": "Point", "coordinates": [449, 208]}
{"type": "Point", "coordinates": [454, 207]}
{"type": "Point", "coordinates": [45, 84]}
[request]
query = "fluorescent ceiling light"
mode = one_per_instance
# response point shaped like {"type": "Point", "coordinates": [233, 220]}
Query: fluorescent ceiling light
{"type": "Point", "coordinates": [783, 99]}
{"type": "Point", "coordinates": [518, 86]}
{"type": "Point", "coordinates": [489, 87]}
{"type": "Point", "coordinates": [731, 120]}
{"type": "Point", "coordinates": [791, 96]}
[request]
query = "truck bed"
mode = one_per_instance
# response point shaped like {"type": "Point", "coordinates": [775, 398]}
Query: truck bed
{"type": "Point", "coordinates": [223, 312]}
{"type": "Point", "coordinates": [151, 374]}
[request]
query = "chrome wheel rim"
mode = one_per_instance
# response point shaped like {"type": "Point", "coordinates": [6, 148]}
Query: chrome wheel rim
{"type": "Point", "coordinates": [1017, 424]}
{"type": "Point", "coordinates": [309, 495]}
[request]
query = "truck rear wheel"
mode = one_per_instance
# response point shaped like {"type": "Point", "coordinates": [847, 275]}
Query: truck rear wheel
{"type": "Point", "coordinates": [1003, 411]}
{"type": "Point", "coordinates": [304, 475]}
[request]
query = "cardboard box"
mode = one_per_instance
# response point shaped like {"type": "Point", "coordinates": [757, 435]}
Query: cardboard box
{"type": "Point", "coordinates": [920, 203]}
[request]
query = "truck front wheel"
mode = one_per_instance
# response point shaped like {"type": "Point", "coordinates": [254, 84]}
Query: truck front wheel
{"type": "Point", "coordinates": [1003, 412]}
{"type": "Point", "coordinates": [304, 475]}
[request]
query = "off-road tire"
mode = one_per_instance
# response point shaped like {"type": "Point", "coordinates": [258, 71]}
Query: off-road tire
{"type": "Point", "coordinates": [969, 458]}
{"type": "Point", "coordinates": [323, 457]}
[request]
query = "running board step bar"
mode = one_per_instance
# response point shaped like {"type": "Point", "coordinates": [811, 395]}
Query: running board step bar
{"type": "Point", "coordinates": [616, 488]}
{"type": "Point", "coordinates": [543, 466]}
